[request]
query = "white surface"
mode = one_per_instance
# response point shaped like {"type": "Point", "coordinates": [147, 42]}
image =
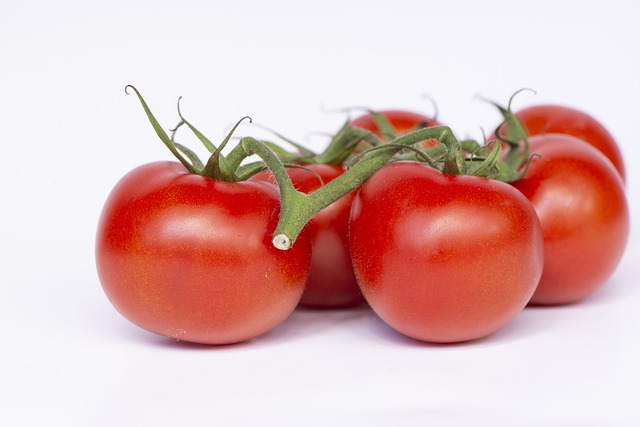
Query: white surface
{"type": "Point", "coordinates": [69, 133]}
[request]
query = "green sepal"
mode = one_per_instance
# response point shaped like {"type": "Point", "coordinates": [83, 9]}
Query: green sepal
{"type": "Point", "coordinates": [344, 143]}
{"type": "Point", "coordinates": [161, 133]}
{"type": "Point", "coordinates": [304, 152]}
{"type": "Point", "coordinates": [246, 171]}
{"type": "Point", "coordinates": [487, 167]}
{"type": "Point", "coordinates": [205, 141]}
{"type": "Point", "coordinates": [470, 146]}
{"type": "Point", "coordinates": [288, 157]}
{"type": "Point", "coordinates": [386, 131]}
{"type": "Point", "coordinates": [217, 166]}
{"type": "Point", "coordinates": [193, 157]}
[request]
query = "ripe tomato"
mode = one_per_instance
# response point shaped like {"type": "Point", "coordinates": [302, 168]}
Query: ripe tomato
{"type": "Point", "coordinates": [191, 258]}
{"type": "Point", "coordinates": [581, 203]}
{"type": "Point", "coordinates": [332, 282]}
{"type": "Point", "coordinates": [541, 119]}
{"type": "Point", "coordinates": [402, 122]}
{"type": "Point", "coordinates": [444, 258]}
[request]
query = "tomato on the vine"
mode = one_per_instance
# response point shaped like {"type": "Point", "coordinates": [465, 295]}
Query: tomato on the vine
{"type": "Point", "coordinates": [580, 200]}
{"type": "Point", "coordinates": [541, 119]}
{"type": "Point", "coordinates": [331, 282]}
{"type": "Point", "coordinates": [444, 258]}
{"type": "Point", "coordinates": [191, 258]}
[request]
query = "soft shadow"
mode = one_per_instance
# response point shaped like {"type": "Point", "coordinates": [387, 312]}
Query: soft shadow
{"type": "Point", "coordinates": [302, 323]}
{"type": "Point", "coordinates": [139, 336]}
{"type": "Point", "coordinates": [307, 322]}
{"type": "Point", "coordinates": [526, 324]}
{"type": "Point", "coordinates": [531, 321]}
{"type": "Point", "coordinates": [616, 289]}
{"type": "Point", "coordinates": [622, 285]}
{"type": "Point", "coordinates": [127, 333]}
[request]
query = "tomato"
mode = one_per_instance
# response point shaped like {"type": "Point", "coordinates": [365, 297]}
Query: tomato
{"type": "Point", "coordinates": [541, 119]}
{"type": "Point", "coordinates": [191, 258]}
{"type": "Point", "coordinates": [444, 258]}
{"type": "Point", "coordinates": [402, 122]}
{"type": "Point", "coordinates": [332, 282]}
{"type": "Point", "coordinates": [580, 200]}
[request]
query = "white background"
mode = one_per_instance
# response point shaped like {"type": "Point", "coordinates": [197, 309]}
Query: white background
{"type": "Point", "coordinates": [69, 132]}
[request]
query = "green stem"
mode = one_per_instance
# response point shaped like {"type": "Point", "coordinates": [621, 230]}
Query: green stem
{"type": "Point", "coordinates": [343, 144]}
{"type": "Point", "coordinates": [386, 130]}
{"type": "Point", "coordinates": [298, 208]}
{"type": "Point", "coordinates": [235, 157]}
{"type": "Point", "coordinates": [291, 200]}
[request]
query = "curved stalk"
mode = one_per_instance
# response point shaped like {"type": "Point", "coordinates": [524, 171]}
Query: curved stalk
{"type": "Point", "coordinates": [298, 208]}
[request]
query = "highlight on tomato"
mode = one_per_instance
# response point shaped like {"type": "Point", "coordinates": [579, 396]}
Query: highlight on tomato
{"type": "Point", "coordinates": [184, 249]}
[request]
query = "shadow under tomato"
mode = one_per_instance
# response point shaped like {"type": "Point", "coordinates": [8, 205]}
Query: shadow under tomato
{"type": "Point", "coordinates": [135, 335]}
{"type": "Point", "coordinates": [301, 324]}
{"type": "Point", "coordinates": [308, 322]}
{"type": "Point", "coordinates": [616, 289]}
{"type": "Point", "coordinates": [525, 325]}
{"type": "Point", "coordinates": [529, 322]}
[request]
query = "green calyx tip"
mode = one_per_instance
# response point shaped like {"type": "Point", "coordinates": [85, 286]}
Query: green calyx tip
{"type": "Point", "coordinates": [224, 168]}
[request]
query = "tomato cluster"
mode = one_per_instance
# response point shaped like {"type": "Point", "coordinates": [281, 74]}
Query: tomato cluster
{"type": "Point", "coordinates": [445, 240]}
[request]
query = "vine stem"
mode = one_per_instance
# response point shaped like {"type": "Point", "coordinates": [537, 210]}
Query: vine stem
{"type": "Point", "coordinates": [298, 208]}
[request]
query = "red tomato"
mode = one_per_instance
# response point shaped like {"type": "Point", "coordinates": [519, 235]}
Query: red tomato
{"type": "Point", "coordinates": [332, 282]}
{"type": "Point", "coordinates": [402, 121]}
{"type": "Point", "coordinates": [191, 258]}
{"type": "Point", "coordinates": [541, 119]}
{"type": "Point", "coordinates": [581, 203]}
{"type": "Point", "coordinates": [444, 258]}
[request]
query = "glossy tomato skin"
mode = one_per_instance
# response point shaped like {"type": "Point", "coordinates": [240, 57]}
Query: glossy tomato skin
{"type": "Point", "coordinates": [332, 282]}
{"type": "Point", "coordinates": [541, 119]}
{"type": "Point", "coordinates": [190, 258]}
{"type": "Point", "coordinates": [403, 121]}
{"type": "Point", "coordinates": [444, 258]}
{"type": "Point", "coordinates": [580, 200]}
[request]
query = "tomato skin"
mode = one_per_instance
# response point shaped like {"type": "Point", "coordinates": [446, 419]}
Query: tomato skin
{"type": "Point", "coordinates": [190, 258]}
{"type": "Point", "coordinates": [444, 258]}
{"type": "Point", "coordinates": [402, 121]}
{"type": "Point", "coordinates": [580, 200]}
{"type": "Point", "coordinates": [541, 119]}
{"type": "Point", "coordinates": [332, 282]}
